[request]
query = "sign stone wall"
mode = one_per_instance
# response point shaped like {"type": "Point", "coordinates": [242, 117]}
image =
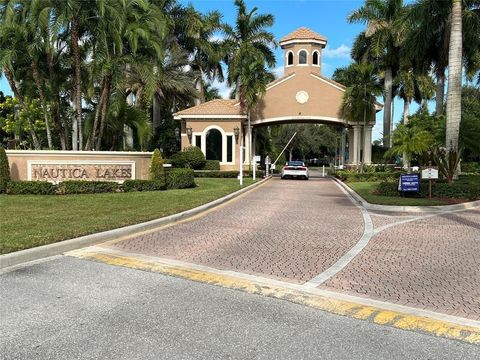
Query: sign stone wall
{"type": "Point", "coordinates": [57, 171]}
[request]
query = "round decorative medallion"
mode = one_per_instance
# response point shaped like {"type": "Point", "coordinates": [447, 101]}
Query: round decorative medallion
{"type": "Point", "coordinates": [302, 97]}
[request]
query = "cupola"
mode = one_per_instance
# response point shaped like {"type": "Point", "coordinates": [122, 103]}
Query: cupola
{"type": "Point", "coordinates": [303, 51]}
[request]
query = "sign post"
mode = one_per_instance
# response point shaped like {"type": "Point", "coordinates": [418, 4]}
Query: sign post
{"type": "Point", "coordinates": [267, 165]}
{"type": "Point", "coordinates": [430, 174]}
{"type": "Point", "coordinates": [254, 161]}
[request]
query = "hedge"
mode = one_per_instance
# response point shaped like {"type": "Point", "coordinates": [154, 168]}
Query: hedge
{"type": "Point", "coordinates": [470, 167]}
{"type": "Point", "coordinates": [212, 165]}
{"type": "Point", "coordinates": [144, 185]}
{"type": "Point", "coordinates": [232, 174]}
{"type": "Point", "coordinates": [4, 171]}
{"type": "Point", "coordinates": [458, 189]}
{"type": "Point", "coordinates": [87, 187]}
{"type": "Point", "coordinates": [354, 176]}
{"type": "Point", "coordinates": [180, 179]}
{"type": "Point", "coordinates": [31, 188]}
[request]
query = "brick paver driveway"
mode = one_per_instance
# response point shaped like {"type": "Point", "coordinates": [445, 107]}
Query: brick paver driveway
{"type": "Point", "coordinates": [283, 230]}
{"type": "Point", "coordinates": [295, 231]}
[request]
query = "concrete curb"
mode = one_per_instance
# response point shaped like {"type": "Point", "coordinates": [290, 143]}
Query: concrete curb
{"type": "Point", "coordinates": [60, 247]}
{"type": "Point", "coordinates": [412, 209]}
{"type": "Point", "coordinates": [400, 317]}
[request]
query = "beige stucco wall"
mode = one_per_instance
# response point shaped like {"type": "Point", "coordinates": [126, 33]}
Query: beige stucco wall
{"type": "Point", "coordinates": [200, 125]}
{"type": "Point", "coordinates": [324, 100]}
{"type": "Point", "coordinates": [296, 67]}
{"type": "Point", "coordinates": [18, 160]}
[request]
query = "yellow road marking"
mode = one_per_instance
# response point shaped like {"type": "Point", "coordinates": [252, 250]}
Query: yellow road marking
{"type": "Point", "coordinates": [340, 307]}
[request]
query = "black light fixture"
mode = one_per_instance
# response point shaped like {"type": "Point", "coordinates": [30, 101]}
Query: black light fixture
{"type": "Point", "coordinates": [177, 133]}
{"type": "Point", "coordinates": [189, 133]}
{"type": "Point", "coordinates": [236, 132]}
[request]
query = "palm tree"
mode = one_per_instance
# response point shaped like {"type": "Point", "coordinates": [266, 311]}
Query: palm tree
{"type": "Point", "coordinates": [425, 28]}
{"type": "Point", "coordinates": [246, 38]}
{"type": "Point", "coordinates": [408, 141]}
{"type": "Point", "coordinates": [454, 98]}
{"type": "Point", "coordinates": [363, 86]}
{"type": "Point", "coordinates": [196, 34]}
{"type": "Point", "coordinates": [379, 41]}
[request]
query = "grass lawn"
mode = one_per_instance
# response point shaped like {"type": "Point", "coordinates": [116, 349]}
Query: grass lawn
{"type": "Point", "coordinates": [365, 190]}
{"type": "Point", "coordinates": [32, 220]}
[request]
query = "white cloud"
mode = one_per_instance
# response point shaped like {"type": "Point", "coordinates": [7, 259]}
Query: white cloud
{"type": "Point", "coordinates": [278, 72]}
{"type": "Point", "coordinates": [341, 52]}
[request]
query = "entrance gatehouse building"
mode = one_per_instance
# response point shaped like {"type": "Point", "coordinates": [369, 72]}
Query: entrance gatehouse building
{"type": "Point", "coordinates": [302, 95]}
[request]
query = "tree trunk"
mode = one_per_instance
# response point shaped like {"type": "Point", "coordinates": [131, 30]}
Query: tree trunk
{"type": "Point", "coordinates": [103, 118]}
{"type": "Point", "coordinates": [19, 97]}
{"type": "Point", "coordinates": [77, 132]}
{"type": "Point", "coordinates": [91, 138]}
{"type": "Point", "coordinates": [454, 94]}
{"type": "Point", "coordinates": [406, 110]}
{"type": "Point", "coordinates": [238, 85]}
{"type": "Point", "coordinates": [440, 92]}
{"type": "Point", "coordinates": [38, 83]}
{"type": "Point", "coordinates": [156, 116]}
{"type": "Point", "coordinates": [387, 110]}
{"type": "Point", "coordinates": [60, 126]}
{"type": "Point", "coordinates": [200, 99]}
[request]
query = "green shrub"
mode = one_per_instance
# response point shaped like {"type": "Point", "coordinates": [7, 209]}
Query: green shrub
{"type": "Point", "coordinates": [156, 166]}
{"type": "Point", "coordinates": [4, 171]}
{"type": "Point", "coordinates": [230, 174]}
{"type": "Point", "coordinates": [460, 189]}
{"type": "Point", "coordinates": [355, 176]}
{"type": "Point", "coordinates": [180, 179]}
{"type": "Point", "coordinates": [178, 160]}
{"type": "Point", "coordinates": [87, 187]}
{"type": "Point", "coordinates": [31, 188]}
{"type": "Point", "coordinates": [470, 167]}
{"type": "Point", "coordinates": [194, 158]}
{"type": "Point", "coordinates": [216, 174]}
{"type": "Point", "coordinates": [212, 165]}
{"type": "Point", "coordinates": [144, 185]}
{"type": "Point", "coordinates": [388, 188]}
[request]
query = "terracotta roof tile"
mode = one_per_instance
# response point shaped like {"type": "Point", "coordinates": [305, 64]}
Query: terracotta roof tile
{"type": "Point", "coordinates": [213, 107]}
{"type": "Point", "coordinates": [303, 33]}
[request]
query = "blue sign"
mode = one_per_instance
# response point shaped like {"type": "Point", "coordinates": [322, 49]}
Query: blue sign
{"type": "Point", "coordinates": [409, 182]}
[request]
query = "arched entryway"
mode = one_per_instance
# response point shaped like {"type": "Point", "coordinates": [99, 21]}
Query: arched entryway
{"type": "Point", "coordinates": [213, 145]}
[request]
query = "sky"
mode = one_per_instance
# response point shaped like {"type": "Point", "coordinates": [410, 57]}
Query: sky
{"type": "Point", "coordinates": [327, 17]}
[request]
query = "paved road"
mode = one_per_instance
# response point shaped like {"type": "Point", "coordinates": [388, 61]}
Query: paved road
{"type": "Point", "coordinates": [295, 231]}
{"type": "Point", "coordinates": [68, 308]}
{"type": "Point", "coordinates": [288, 230]}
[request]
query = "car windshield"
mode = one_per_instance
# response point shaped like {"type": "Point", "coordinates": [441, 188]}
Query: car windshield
{"type": "Point", "coordinates": [295, 163]}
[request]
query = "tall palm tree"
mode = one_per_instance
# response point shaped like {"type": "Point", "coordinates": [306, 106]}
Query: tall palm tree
{"type": "Point", "coordinates": [196, 34]}
{"type": "Point", "coordinates": [424, 29]}
{"type": "Point", "coordinates": [380, 16]}
{"type": "Point", "coordinates": [454, 97]}
{"type": "Point", "coordinates": [248, 37]}
{"type": "Point", "coordinates": [363, 85]}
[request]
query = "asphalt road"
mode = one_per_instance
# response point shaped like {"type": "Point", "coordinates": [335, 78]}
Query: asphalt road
{"type": "Point", "coordinates": [68, 308]}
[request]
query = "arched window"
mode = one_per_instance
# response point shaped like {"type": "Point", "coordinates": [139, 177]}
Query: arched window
{"type": "Point", "coordinates": [213, 145]}
{"type": "Point", "coordinates": [290, 58]}
{"type": "Point", "coordinates": [302, 57]}
{"type": "Point", "coordinates": [315, 58]}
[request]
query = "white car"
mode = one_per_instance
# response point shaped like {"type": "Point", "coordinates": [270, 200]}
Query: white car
{"type": "Point", "coordinates": [295, 169]}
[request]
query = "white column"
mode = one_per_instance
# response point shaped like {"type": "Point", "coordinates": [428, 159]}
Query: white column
{"type": "Point", "coordinates": [350, 146]}
{"type": "Point", "coordinates": [367, 145]}
{"type": "Point", "coordinates": [356, 144]}
{"type": "Point", "coordinates": [248, 144]}
{"type": "Point", "coordinates": [342, 148]}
